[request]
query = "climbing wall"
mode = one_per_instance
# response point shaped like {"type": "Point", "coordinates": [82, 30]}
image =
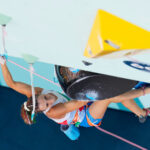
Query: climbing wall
{"type": "Point", "coordinates": [45, 77]}
{"type": "Point", "coordinates": [58, 33]}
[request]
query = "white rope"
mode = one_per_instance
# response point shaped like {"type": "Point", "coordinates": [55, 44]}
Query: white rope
{"type": "Point", "coordinates": [3, 39]}
{"type": "Point", "coordinates": [33, 92]}
{"type": "Point", "coordinates": [25, 106]}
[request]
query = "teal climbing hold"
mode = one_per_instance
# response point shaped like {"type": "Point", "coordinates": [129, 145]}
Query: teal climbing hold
{"type": "Point", "coordinates": [29, 58]}
{"type": "Point", "coordinates": [4, 20]}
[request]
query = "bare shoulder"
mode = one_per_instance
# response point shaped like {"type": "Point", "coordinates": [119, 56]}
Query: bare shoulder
{"type": "Point", "coordinates": [55, 113]}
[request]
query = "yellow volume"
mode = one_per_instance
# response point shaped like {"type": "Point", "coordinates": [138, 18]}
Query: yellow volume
{"type": "Point", "coordinates": [111, 33]}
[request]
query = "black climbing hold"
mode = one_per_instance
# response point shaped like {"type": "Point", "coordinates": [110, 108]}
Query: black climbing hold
{"type": "Point", "coordinates": [87, 63]}
{"type": "Point", "coordinates": [86, 85]}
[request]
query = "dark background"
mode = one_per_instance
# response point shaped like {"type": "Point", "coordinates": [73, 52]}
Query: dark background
{"type": "Point", "coordinates": [46, 135]}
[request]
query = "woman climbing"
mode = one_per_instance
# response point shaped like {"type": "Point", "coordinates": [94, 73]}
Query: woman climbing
{"type": "Point", "coordinates": [62, 110]}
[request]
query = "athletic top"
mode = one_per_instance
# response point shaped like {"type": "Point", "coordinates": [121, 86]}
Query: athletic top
{"type": "Point", "coordinates": [71, 117]}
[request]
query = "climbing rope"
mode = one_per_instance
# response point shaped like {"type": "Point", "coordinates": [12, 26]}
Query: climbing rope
{"type": "Point", "coordinates": [33, 92]}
